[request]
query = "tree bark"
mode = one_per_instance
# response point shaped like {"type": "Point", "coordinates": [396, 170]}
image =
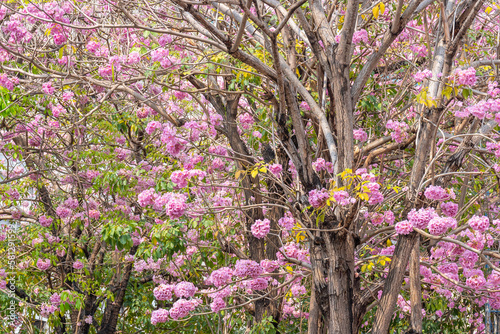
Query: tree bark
{"type": "Point", "coordinates": [415, 289]}
{"type": "Point", "coordinates": [393, 283]}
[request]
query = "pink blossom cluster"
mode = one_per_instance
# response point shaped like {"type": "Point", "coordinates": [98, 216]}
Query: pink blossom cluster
{"type": "Point", "coordinates": [246, 121]}
{"type": "Point", "coordinates": [466, 77]}
{"type": "Point", "coordinates": [47, 309]}
{"type": "Point", "coordinates": [159, 316]}
{"type": "Point", "coordinates": [318, 198]}
{"type": "Point", "coordinates": [259, 283]}
{"type": "Point", "coordinates": [422, 75]}
{"type": "Point", "coordinates": [244, 268]}
{"type": "Point", "coordinates": [449, 209]}
{"type": "Point", "coordinates": [360, 134]}
{"type": "Point", "coordinates": [176, 206]}
{"type": "Point", "coordinates": [360, 36]}
{"type": "Point", "coordinates": [185, 289]}
{"type": "Point", "coordinates": [399, 130]}
{"type": "Point", "coordinates": [375, 196]}
{"type": "Point", "coordinates": [43, 264]}
{"type": "Point", "coordinates": [181, 177]}
{"type": "Point", "coordinates": [163, 291]}
{"type": "Point", "coordinates": [475, 278]}
{"type": "Point", "coordinates": [439, 225]}
{"type": "Point", "coordinates": [269, 266]}
{"type": "Point", "coordinates": [478, 223]}
{"type": "Point", "coordinates": [287, 222]}
{"type": "Point", "coordinates": [55, 299]}
{"type": "Point", "coordinates": [8, 82]}
{"type": "Point", "coordinates": [342, 197]}
{"type": "Point", "coordinates": [404, 227]}
{"type": "Point", "coordinates": [182, 307]}
{"type": "Point", "coordinates": [217, 304]}
{"type": "Point", "coordinates": [493, 89]}
{"type": "Point", "coordinates": [483, 109]}
{"type": "Point", "coordinates": [45, 221]}
{"type": "Point", "coordinates": [437, 193]}
{"type": "Point", "coordinates": [421, 218]}
{"type": "Point", "coordinates": [275, 169]}
{"type": "Point", "coordinates": [320, 164]}
{"type": "Point", "coordinates": [77, 265]}
{"type": "Point", "coordinates": [261, 228]}
{"type": "Point", "coordinates": [221, 276]}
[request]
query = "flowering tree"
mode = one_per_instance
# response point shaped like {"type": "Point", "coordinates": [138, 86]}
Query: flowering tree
{"type": "Point", "coordinates": [222, 166]}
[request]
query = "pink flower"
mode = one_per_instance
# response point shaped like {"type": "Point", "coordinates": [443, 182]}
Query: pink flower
{"type": "Point", "coordinates": [259, 283]}
{"type": "Point", "coordinates": [261, 228]}
{"type": "Point", "coordinates": [480, 224]}
{"type": "Point", "coordinates": [176, 206]}
{"type": "Point", "coordinates": [287, 222]}
{"type": "Point", "coordinates": [269, 265]}
{"type": "Point", "coordinates": [181, 308]}
{"type": "Point", "coordinates": [438, 194]}
{"type": "Point", "coordinates": [360, 135]}
{"type": "Point", "coordinates": [420, 76]}
{"type": "Point", "coordinates": [78, 265]}
{"type": "Point", "coordinates": [94, 214]}
{"type": "Point", "coordinates": [55, 299]}
{"type": "Point", "coordinates": [468, 259]}
{"type": "Point", "coordinates": [439, 313]}
{"type": "Point", "coordinates": [185, 289]}
{"type": "Point", "coordinates": [438, 226]}
{"type": "Point", "coordinates": [134, 57]}
{"type": "Point", "coordinates": [360, 36]}
{"type": "Point", "coordinates": [163, 292]}
{"type": "Point", "coordinates": [244, 268]}
{"type": "Point", "coordinates": [466, 77]}
{"type": "Point", "coordinates": [221, 276]}
{"type": "Point", "coordinates": [152, 127]}
{"type": "Point", "coordinates": [43, 264]}
{"type": "Point", "coordinates": [404, 227]}
{"type": "Point", "coordinates": [450, 209]}
{"type": "Point", "coordinates": [318, 198]}
{"type": "Point", "coordinates": [45, 221]}
{"type": "Point", "coordinates": [421, 218]}
{"type": "Point", "coordinates": [159, 316]}
{"type": "Point", "coordinates": [275, 169]}
{"type": "Point", "coordinates": [217, 304]}
{"type": "Point", "coordinates": [47, 88]}
{"type": "Point", "coordinates": [342, 197]}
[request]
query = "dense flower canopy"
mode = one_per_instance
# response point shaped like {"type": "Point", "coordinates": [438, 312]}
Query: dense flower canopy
{"type": "Point", "coordinates": [222, 166]}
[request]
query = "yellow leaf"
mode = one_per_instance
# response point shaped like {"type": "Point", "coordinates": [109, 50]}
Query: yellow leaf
{"type": "Point", "coordinates": [238, 174]}
{"type": "Point", "coordinates": [363, 196]}
{"type": "Point", "coordinates": [254, 173]}
{"type": "Point", "coordinates": [382, 8]}
{"type": "Point", "coordinates": [488, 10]}
{"type": "Point", "coordinates": [375, 11]}
{"type": "Point", "coordinates": [389, 243]}
{"type": "Point", "coordinates": [263, 170]}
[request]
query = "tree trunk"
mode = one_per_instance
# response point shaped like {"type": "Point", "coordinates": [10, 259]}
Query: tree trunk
{"type": "Point", "coordinates": [393, 283]}
{"type": "Point", "coordinates": [340, 249]}
{"type": "Point", "coordinates": [415, 289]}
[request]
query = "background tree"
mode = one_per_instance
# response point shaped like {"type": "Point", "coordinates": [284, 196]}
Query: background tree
{"type": "Point", "coordinates": [222, 166]}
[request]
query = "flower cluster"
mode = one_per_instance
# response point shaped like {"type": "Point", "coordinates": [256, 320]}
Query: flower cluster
{"type": "Point", "coordinates": [466, 77]}
{"type": "Point", "coordinates": [437, 193]}
{"type": "Point", "coordinates": [318, 198]}
{"type": "Point", "coordinates": [422, 75]}
{"type": "Point", "coordinates": [261, 228]}
{"type": "Point", "coordinates": [360, 134]}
